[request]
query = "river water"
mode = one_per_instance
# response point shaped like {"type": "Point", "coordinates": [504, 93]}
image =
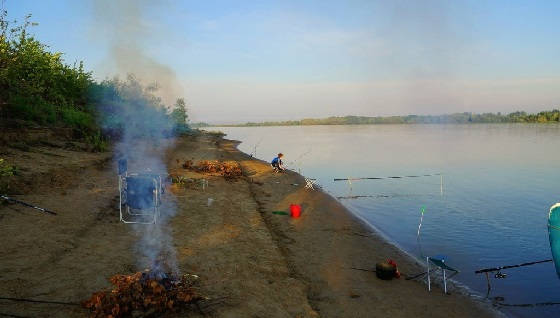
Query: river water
{"type": "Point", "coordinates": [488, 207]}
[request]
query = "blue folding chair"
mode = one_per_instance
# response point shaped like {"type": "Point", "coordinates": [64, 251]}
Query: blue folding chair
{"type": "Point", "coordinates": [439, 261]}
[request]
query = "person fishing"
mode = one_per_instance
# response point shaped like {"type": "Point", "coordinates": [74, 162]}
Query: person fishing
{"type": "Point", "coordinates": [277, 163]}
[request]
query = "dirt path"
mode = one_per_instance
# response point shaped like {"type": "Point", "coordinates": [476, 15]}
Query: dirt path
{"type": "Point", "coordinates": [64, 257]}
{"type": "Point", "coordinates": [220, 235]}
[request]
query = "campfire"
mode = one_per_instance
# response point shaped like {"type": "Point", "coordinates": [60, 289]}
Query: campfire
{"type": "Point", "coordinates": [144, 294]}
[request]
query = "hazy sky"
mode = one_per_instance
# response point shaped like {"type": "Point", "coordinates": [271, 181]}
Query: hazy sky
{"type": "Point", "coordinates": [237, 61]}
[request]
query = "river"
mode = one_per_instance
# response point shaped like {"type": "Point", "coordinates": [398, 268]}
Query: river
{"type": "Point", "coordinates": [486, 200]}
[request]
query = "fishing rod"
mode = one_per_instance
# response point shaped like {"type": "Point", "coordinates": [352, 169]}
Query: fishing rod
{"type": "Point", "coordinates": [548, 303]}
{"type": "Point", "coordinates": [27, 300]}
{"type": "Point", "coordinates": [350, 179]}
{"type": "Point", "coordinates": [363, 196]}
{"type": "Point", "coordinates": [360, 196]}
{"type": "Point", "coordinates": [5, 197]}
{"type": "Point", "coordinates": [497, 269]}
{"type": "Point", "coordinates": [254, 152]}
{"type": "Point", "coordinates": [380, 178]}
{"type": "Point", "coordinates": [500, 275]}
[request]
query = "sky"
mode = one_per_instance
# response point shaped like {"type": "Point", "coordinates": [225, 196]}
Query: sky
{"type": "Point", "coordinates": [239, 61]}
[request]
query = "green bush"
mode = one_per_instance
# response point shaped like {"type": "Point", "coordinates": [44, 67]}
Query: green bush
{"type": "Point", "coordinates": [37, 86]}
{"type": "Point", "coordinates": [32, 109]}
{"type": "Point", "coordinates": [6, 170]}
{"type": "Point", "coordinates": [77, 118]}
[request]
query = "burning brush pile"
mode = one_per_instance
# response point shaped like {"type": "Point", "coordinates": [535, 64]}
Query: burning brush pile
{"type": "Point", "coordinates": [143, 294]}
{"type": "Point", "coordinates": [228, 169]}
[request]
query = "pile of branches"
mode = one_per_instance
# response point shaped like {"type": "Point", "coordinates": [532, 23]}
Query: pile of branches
{"type": "Point", "coordinates": [143, 294]}
{"type": "Point", "coordinates": [227, 169]}
{"type": "Point", "coordinates": [188, 164]}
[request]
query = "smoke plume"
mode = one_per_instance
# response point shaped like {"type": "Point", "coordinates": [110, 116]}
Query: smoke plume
{"type": "Point", "coordinates": [123, 24]}
{"type": "Point", "coordinates": [137, 115]}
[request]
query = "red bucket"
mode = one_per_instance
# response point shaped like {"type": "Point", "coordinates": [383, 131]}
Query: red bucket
{"type": "Point", "coordinates": [295, 210]}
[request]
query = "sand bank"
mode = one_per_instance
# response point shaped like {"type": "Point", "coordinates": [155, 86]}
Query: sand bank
{"type": "Point", "coordinates": [258, 264]}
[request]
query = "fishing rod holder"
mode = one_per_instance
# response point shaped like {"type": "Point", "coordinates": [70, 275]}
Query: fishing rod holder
{"type": "Point", "coordinates": [438, 261]}
{"type": "Point", "coordinates": [309, 184]}
{"type": "Point", "coordinates": [139, 196]}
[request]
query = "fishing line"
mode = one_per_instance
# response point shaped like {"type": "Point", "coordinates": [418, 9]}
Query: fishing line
{"type": "Point", "coordinates": [363, 269]}
{"type": "Point", "coordinates": [12, 316]}
{"type": "Point", "coordinates": [293, 162]}
{"type": "Point", "coordinates": [416, 276]}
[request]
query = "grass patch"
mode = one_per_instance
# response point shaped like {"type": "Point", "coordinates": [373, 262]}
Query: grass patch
{"type": "Point", "coordinates": [6, 170]}
{"type": "Point", "coordinates": [97, 143]}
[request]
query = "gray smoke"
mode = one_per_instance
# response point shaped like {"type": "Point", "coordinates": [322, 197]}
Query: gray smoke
{"type": "Point", "coordinates": [430, 42]}
{"type": "Point", "coordinates": [144, 137]}
{"type": "Point", "coordinates": [123, 25]}
{"type": "Point", "coordinates": [135, 109]}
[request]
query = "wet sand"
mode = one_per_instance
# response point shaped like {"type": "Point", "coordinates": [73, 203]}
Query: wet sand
{"type": "Point", "coordinates": [252, 262]}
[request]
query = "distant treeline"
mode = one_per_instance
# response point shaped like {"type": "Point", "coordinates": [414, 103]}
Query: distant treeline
{"type": "Point", "coordinates": [38, 87]}
{"type": "Point", "coordinates": [457, 118]}
{"type": "Point", "coordinates": [199, 125]}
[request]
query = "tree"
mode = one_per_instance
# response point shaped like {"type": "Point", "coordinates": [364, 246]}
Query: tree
{"type": "Point", "coordinates": [179, 115]}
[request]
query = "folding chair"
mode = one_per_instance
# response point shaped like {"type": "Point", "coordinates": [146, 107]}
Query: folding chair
{"type": "Point", "coordinates": [139, 196]}
{"type": "Point", "coordinates": [439, 261]}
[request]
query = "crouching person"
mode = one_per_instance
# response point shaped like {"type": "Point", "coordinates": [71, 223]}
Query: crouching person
{"type": "Point", "coordinates": [277, 164]}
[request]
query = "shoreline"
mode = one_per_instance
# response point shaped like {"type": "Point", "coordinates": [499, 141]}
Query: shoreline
{"type": "Point", "coordinates": [462, 288]}
{"type": "Point", "coordinates": [408, 259]}
{"type": "Point", "coordinates": [251, 261]}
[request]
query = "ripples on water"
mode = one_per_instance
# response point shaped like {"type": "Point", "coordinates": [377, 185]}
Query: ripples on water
{"type": "Point", "coordinates": [499, 182]}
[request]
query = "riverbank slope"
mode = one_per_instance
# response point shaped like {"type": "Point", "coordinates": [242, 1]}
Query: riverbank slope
{"type": "Point", "coordinates": [251, 261]}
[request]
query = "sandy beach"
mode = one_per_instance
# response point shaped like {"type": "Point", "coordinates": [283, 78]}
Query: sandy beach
{"type": "Point", "coordinates": [251, 262]}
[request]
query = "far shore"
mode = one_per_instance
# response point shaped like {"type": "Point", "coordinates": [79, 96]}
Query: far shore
{"type": "Point", "coordinates": [518, 117]}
